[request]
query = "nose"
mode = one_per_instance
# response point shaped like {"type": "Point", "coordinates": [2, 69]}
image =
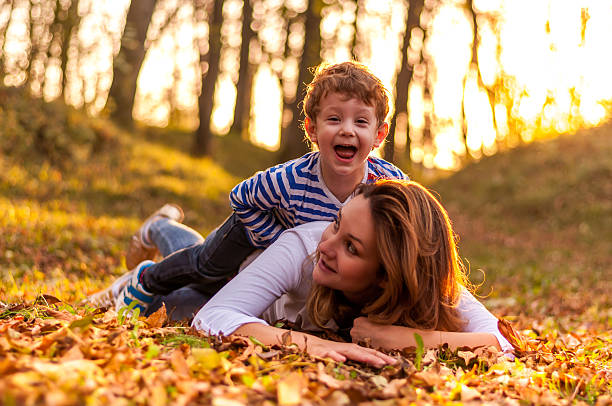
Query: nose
{"type": "Point", "coordinates": [326, 246]}
{"type": "Point", "coordinates": [348, 128]}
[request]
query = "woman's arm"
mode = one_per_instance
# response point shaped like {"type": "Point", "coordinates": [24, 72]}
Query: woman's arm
{"type": "Point", "coordinates": [316, 346]}
{"type": "Point", "coordinates": [243, 300]}
{"type": "Point", "coordinates": [480, 330]}
{"type": "Point", "coordinates": [397, 337]}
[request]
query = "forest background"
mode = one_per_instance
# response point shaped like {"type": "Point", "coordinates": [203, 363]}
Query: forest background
{"type": "Point", "coordinates": [109, 109]}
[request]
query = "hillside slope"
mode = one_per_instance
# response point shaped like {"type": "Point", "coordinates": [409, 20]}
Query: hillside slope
{"type": "Point", "coordinates": [538, 221]}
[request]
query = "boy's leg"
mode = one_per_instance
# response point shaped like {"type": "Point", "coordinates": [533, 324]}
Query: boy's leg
{"type": "Point", "coordinates": [224, 251]}
{"type": "Point", "coordinates": [141, 247]}
{"type": "Point", "coordinates": [181, 304]}
{"type": "Point", "coordinates": [208, 265]}
{"type": "Point", "coordinates": [170, 236]}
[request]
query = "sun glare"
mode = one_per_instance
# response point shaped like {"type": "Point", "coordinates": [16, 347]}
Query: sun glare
{"type": "Point", "coordinates": [548, 58]}
{"type": "Point", "coordinates": [266, 109]}
{"type": "Point", "coordinates": [560, 69]}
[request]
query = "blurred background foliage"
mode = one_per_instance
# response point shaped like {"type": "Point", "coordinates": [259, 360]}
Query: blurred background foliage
{"type": "Point", "coordinates": [467, 78]}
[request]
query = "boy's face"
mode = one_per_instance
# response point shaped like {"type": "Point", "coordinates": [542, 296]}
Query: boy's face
{"type": "Point", "coordinates": [345, 130]}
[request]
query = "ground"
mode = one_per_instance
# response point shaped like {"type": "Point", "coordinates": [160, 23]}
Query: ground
{"type": "Point", "coordinates": [535, 220]}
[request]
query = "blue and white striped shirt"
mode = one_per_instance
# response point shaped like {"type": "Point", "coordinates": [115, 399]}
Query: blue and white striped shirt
{"type": "Point", "coordinates": [293, 193]}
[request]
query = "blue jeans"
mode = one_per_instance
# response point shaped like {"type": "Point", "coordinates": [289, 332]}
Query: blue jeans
{"type": "Point", "coordinates": [193, 268]}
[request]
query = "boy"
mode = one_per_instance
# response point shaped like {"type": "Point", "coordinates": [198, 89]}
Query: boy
{"type": "Point", "coordinates": [345, 108]}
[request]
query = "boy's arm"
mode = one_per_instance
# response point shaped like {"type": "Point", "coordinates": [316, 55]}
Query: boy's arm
{"type": "Point", "coordinates": [253, 201]}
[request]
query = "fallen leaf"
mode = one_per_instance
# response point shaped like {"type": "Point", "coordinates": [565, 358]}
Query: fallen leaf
{"type": "Point", "coordinates": [206, 358]}
{"type": "Point", "coordinates": [158, 318]}
{"type": "Point", "coordinates": [392, 390]}
{"type": "Point", "coordinates": [179, 364]}
{"type": "Point", "coordinates": [428, 378]}
{"type": "Point", "coordinates": [289, 390]}
{"type": "Point", "coordinates": [467, 356]}
{"type": "Point", "coordinates": [469, 394]}
{"type": "Point", "coordinates": [514, 337]}
{"type": "Point", "coordinates": [72, 354]}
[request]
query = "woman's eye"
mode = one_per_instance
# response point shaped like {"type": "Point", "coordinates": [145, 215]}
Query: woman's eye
{"type": "Point", "coordinates": [351, 248]}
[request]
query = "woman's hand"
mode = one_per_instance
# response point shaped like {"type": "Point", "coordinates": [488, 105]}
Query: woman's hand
{"type": "Point", "coordinates": [316, 346]}
{"type": "Point", "coordinates": [364, 330]}
{"type": "Point", "coordinates": [342, 351]}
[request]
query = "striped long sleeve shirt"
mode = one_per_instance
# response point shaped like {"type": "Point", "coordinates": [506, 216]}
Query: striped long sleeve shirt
{"type": "Point", "coordinates": [293, 193]}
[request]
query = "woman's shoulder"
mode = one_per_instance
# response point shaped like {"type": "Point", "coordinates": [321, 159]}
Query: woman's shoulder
{"type": "Point", "coordinates": [308, 233]}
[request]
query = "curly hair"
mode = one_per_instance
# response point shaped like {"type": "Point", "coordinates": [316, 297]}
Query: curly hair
{"type": "Point", "coordinates": [351, 79]}
{"type": "Point", "coordinates": [421, 271]}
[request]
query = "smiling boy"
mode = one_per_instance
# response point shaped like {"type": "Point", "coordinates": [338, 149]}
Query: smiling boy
{"type": "Point", "coordinates": [345, 108]}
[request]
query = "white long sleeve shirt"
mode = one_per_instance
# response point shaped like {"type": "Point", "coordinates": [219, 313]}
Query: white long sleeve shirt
{"type": "Point", "coordinates": [275, 286]}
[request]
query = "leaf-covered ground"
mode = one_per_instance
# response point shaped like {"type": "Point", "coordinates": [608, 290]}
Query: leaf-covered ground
{"type": "Point", "coordinates": [536, 220]}
{"type": "Point", "coordinates": [55, 354]}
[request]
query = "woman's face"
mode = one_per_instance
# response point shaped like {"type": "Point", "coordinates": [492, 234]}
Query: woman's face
{"type": "Point", "coordinates": [348, 256]}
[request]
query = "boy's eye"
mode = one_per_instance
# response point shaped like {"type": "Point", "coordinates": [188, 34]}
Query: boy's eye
{"type": "Point", "coordinates": [362, 121]}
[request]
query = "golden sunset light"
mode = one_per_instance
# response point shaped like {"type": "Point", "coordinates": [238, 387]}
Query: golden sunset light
{"type": "Point", "coordinates": [549, 57]}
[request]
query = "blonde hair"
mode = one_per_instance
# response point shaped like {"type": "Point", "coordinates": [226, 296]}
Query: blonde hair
{"type": "Point", "coordinates": [350, 79]}
{"type": "Point", "coordinates": [421, 273]}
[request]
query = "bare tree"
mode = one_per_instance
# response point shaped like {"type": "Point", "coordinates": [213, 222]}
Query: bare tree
{"type": "Point", "coordinates": [292, 144]}
{"type": "Point", "coordinates": [404, 78]}
{"type": "Point", "coordinates": [65, 20]}
{"type": "Point", "coordinates": [203, 135]}
{"type": "Point", "coordinates": [476, 68]}
{"type": "Point", "coordinates": [355, 43]}
{"type": "Point", "coordinates": [128, 62]}
{"type": "Point", "coordinates": [8, 9]}
{"type": "Point", "coordinates": [244, 86]}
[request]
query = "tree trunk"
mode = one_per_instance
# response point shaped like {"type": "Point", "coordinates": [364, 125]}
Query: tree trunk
{"type": "Point", "coordinates": [403, 81]}
{"type": "Point", "coordinates": [292, 144]}
{"type": "Point", "coordinates": [3, 29]}
{"type": "Point", "coordinates": [71, 22]}
{"type": "Point", "coordinates": [242, 111]}
{"type": "Point", "coordinates": [203, 136]}
{"type": "Point", "coordinates": [64, 21]}
{"type": "Point", "coordinates": [127, 63]}
{"type": "Point", "coordinates": [474, 65]}
{"type": "Point", "coordinates": [355, 42]}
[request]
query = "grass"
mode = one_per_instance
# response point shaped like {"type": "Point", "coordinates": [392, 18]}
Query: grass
{"type": "Point", "coordinates": [534, 226]}
{"type": "Point", "coordinates": [538, 221]}
{"type": "Point", "coordinates": [63, 229]}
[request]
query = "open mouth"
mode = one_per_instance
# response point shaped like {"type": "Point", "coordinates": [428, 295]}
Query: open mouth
{"type": "Point", "coordinates": [345, 151]}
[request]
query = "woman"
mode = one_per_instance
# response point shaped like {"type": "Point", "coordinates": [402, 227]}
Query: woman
{"type": "Point", "coordinates": [386, 268]}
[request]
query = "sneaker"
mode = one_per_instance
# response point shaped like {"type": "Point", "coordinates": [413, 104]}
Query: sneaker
{"type": "Point", "coordinates": [133, 291]}
{"type": "Point", "coordinates": [139, 248]}
{"type": "Point", "coordinates": [108, 296]}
